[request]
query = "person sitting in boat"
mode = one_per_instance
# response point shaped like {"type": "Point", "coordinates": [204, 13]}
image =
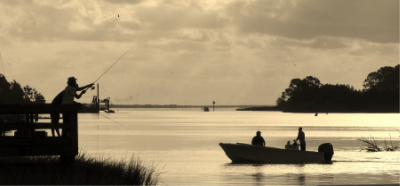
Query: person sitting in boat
{"type": "Point", "coordinates": [301, 136]}
{"type": "Point", "coordinates": [258, 140]}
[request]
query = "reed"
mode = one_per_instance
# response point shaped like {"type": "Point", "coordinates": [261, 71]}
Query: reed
{"type": "Point", "coordinates": [374, 147]}
{"type": "Point", "coordinates": [46, 170]}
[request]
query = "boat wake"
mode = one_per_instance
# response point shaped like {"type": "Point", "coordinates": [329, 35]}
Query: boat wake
{"type": "Point", "coordinates": [362, 161]}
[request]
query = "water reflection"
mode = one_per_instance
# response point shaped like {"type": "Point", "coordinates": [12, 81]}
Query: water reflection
{"type": "Point", "coordinates": [186, 142]}
{"type": "Point", "coordinates": [261, 174]}
{"type": "Point", "coordinates": [267, 174]}
{"type": "Point", "coordinates": [302, 179]}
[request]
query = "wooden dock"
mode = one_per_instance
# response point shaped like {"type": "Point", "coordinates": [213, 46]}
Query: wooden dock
{"type": "Point", "coordinates": [27, 141]}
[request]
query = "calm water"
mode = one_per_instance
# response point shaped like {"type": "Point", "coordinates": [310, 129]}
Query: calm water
{"type": "Point", "coordinates": [183, 143]}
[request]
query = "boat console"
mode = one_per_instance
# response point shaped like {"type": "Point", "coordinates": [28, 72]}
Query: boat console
{"type": "Point", "coordinates": [293, 146]}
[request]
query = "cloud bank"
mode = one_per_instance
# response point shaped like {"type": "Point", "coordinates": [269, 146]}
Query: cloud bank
{"type": "Point", "coordinates": [191, 52]}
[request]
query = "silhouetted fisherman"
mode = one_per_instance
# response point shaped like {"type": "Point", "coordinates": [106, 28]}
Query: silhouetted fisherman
{"type": "Point", "coordinates": [66, 97]}
{"type": "Point", "coordinates": [258, 140]}
{"type": "Point", "coordinates": [302, 137]}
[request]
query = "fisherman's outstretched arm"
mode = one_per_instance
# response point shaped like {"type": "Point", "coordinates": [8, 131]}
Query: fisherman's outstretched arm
{"type": "Point", "coordinates": [84, 87]}
{"type": "Point", "coordinates": [80, 95]}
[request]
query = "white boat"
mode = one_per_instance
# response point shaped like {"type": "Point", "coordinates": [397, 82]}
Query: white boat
{"type": "Point", "coordinates": [245, 153]}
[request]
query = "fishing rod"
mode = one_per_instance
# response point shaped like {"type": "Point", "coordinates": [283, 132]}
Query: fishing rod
{"type": "Point", "coordinates": [101, 76]}
{"type": "Point", "coordinates": [108, 69]}
{"type": "Point", "coordinates": [112, 65]}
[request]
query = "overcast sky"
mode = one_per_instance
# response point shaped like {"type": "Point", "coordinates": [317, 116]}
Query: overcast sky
{"type": "Point", "coordinates": [193, 52]}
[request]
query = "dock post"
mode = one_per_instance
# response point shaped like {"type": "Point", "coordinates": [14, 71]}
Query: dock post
{"type": "Point", "coordinates": [98, 98]}
{"type": "Point", "coordinates": [213, 105]}
{"type": "Point", "coordinates": [73, 134]}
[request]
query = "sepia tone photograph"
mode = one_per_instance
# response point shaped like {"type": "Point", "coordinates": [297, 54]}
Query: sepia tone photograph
{"type": "Point", "coordinates": [199, 92]}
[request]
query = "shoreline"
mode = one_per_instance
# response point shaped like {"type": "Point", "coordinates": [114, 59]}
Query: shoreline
{"type": "Point", "coordinates": [308, 111]}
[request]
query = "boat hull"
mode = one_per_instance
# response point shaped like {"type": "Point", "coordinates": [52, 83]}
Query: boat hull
{"type": "Point", "coordinates": [245, 153]}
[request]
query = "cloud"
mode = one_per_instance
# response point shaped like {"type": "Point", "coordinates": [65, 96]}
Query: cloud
{"type": "Point", "coordinates": [315, 43]}
{"type": "Point", "coordinates": [166, 17]}
{"type": "Point", "coordinates": [51, 23]}
{"type": "Point", "coordinates": [4, 41]}
{"type": "Point", "coordinates": [182, 49]}
{"type": "Point", "coordinates": [37, 22]}
{"type": "Point", "coordinates": [370, 20]}
{"type": "Point", "coordinates": [367, 49]}
{"type": "Point", "coordinates": [132, 2]}
{"type": "Point", "coordinates": [17, 3]}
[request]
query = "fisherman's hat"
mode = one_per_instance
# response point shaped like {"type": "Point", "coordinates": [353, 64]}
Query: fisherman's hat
{"type": "Point", "coordinates": [71, 79]}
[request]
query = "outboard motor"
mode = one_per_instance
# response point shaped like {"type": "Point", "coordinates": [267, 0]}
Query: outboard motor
{"type": "Point", "coordinates": [326, 148]}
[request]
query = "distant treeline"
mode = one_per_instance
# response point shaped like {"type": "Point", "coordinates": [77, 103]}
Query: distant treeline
{"type": "Point", "coordinates": [13, 93]}
{"type": "Point", "coordinates": [176, 106]}
{"type": "Point", "coordinates": [380, 94]}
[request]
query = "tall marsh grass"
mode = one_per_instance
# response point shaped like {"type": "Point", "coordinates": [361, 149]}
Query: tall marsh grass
{"type": "Point", "coordinates": [374, 147]}
{"type": "Point", "coordinates": [46, 170]}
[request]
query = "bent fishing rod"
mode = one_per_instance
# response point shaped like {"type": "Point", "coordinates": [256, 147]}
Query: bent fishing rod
{"type": "Point", "coordinates": [109, 68]}
{"type": "Point", "coordinates": [101, 76]}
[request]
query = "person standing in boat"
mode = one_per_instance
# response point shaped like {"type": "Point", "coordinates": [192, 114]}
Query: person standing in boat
{"type": "Point", "coordinates": [258, 139]}
{"type": "Point", "coordinates": [302, 137]}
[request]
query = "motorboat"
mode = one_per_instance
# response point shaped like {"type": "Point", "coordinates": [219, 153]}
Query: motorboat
{"type": "Point", "coordinates": [246, 153]}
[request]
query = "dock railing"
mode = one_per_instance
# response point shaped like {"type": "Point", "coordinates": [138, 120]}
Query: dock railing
{"type": "Point", "coordinates": [28, 141]}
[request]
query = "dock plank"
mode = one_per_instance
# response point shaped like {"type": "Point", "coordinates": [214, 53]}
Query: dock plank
{"type": "Point", "coordinates": [25, 126]}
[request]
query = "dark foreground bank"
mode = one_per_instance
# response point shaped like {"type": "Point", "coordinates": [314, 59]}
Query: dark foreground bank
{"type": "Point", "coordinates": [46, 170]}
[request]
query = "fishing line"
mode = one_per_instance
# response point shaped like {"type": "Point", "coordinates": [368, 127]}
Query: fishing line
{"type": "Point", "coordinates": [112, 65]}
{"type": "Point", "coordinates": [115, 121]}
